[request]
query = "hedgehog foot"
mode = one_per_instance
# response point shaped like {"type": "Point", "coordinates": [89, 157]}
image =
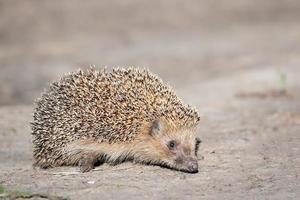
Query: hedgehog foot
{"type": "Point", "coordinates": [87, 162]}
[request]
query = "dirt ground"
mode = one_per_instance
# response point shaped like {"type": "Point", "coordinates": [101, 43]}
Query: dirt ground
{"type": "Point", "coordinates": [237, 62]}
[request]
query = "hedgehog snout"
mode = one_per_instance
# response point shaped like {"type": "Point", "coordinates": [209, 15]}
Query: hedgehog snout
{"type": "Point", "coordinates": [187, 164]}
{"type": "Point", "coordinates": [192, 165]}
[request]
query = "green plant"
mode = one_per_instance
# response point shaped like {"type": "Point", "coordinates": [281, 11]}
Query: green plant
{"type": "Point", "coordinates": [282, 80]}
{"type": "Point", "coordinates": [1, 189]}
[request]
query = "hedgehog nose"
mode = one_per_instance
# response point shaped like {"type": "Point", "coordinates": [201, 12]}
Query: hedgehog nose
{"type": "Point", "coordinates": [193, 166]}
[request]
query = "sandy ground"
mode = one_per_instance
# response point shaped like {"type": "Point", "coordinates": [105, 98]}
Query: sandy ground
{"type": "Point", "coordinates": [236, 61]}
{"type": "Point", "coordinates": [251, 150]}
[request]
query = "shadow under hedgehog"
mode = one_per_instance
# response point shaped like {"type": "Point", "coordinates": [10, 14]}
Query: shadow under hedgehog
{"type": "Point", "coordinates": [94, 116]}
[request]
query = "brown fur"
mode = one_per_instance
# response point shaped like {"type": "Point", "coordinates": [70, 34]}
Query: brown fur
{"type": "Point", "coordinates": [144, 149]}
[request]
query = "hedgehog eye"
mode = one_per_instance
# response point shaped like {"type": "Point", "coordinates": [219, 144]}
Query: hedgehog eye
{"type": "Point", "coordinates": [172, 145]}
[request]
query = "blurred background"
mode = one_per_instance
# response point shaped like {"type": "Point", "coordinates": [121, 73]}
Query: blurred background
{"type": "Point", "coordinates": [236, 61]}
{"type": "Point", "coordinates": [185, 42]}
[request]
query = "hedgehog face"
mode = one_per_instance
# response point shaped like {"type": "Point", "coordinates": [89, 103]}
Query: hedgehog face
{"type": "Point", "coordinates": [177, 149]}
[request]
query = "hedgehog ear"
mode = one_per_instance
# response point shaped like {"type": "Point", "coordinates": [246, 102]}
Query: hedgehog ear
{"type": "Point", "coordinates": [156, 127]}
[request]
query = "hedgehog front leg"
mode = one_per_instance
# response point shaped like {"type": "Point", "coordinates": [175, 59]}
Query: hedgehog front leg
{"type": "Point", "coordinates": [87, 161]}
{"type": "Point", "coordinates": [82, 154]}
{"type": "Point", "coordinates": [87, 153]}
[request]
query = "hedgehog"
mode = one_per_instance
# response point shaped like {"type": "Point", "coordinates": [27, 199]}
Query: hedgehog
{"type": "Point", "coordinates": [91, 116]}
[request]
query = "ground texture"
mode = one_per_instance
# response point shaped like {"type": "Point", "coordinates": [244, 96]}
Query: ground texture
{"type": "Point", "coordinates": [237, 62]}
